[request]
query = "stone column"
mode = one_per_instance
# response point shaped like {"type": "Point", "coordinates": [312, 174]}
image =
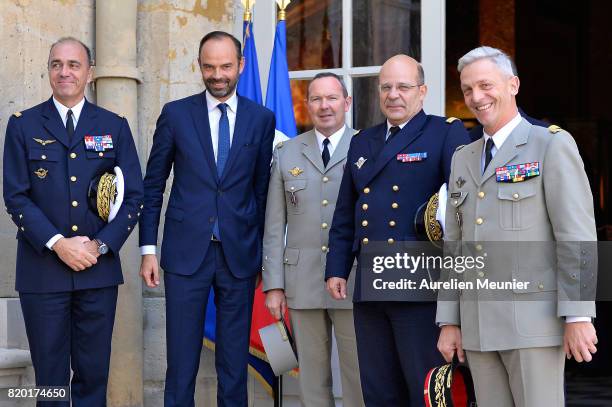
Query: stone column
{"type": "Point", "coordinates": [116, 79]}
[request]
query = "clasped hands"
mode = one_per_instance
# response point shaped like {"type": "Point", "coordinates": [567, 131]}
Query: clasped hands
{"type": "Point", "coordinates": [77, 252]}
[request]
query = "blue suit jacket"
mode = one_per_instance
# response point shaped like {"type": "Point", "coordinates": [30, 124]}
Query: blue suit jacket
{"type": "Point", "coordinates": [373, 183]}
{"type": "Point", "coordinates": [182, 139]}
{"type": "Point", "coordinates": [42, 206]}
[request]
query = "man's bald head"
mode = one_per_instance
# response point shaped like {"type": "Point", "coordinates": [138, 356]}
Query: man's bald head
{"type": "Point", "coordinates": [401, 88]}
{"type": "Point", "coordinates": [403, 61]}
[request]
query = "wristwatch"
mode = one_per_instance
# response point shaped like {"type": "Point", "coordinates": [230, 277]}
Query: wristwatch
{"type": "Point", "coordinates": [102, 247]}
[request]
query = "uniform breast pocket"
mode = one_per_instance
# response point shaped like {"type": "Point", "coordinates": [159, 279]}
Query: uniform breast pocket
{"type": "Point", "coordinates": [294, 192]}
{"type": "Point", "coordinates": [42, 156]}
{"type": "Point", "coordinates": [100, 155]}
{"type": "Point", "coordinates": [517, 205]}
{"type": "Point", "coordinates": [43, 163]}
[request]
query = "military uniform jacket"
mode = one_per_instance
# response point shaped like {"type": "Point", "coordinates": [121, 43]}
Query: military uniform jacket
{"type": "Point", "coordinates": [46, 179]}
{"type": "Point", "coordinates": [302, 196]}
{"type": "Point", "coordinates": [554, 206]}
{"type": "Point", "coordinates": [382, 188]}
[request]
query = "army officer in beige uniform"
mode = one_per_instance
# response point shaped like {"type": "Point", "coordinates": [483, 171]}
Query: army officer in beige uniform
{"type": "Point", "coordinates": [523, 185]}
{"type": "Point", "coordinates": [306, 175]}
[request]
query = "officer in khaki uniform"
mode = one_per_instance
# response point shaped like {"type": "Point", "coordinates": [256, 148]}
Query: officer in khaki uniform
{"type": "Point", "coordinates": [516, 347]}
{"type": "Point", "coordinates": [306, 175]}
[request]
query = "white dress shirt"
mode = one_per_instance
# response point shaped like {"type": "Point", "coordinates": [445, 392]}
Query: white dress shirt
{"type": "Point", "coordinates": [334, 139]}
{"type": "Point", "coordinates": [63, 112]}
{"type": "Point", "coordinates": [214, 114]}
{"type": "Point", "coordinates": [389, 125]}
{"type": "Point", "coordinates": [498, 138]}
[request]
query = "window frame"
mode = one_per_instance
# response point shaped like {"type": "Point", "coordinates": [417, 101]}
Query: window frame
{"type": "Point", "coordinates": [433, 48]}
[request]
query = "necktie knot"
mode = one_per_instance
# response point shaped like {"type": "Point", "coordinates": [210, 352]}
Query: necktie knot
{"type": "Point", "coordinates": [223, 108]}
{"type": "Point", "coordinates": [392, 132]}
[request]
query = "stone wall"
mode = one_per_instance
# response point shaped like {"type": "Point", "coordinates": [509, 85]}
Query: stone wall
{"type": "Point", "coordinates": [168, 35]}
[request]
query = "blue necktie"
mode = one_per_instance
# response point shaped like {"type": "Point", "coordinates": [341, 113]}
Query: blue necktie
{"type": "Point", "coordinates": [223, 148]}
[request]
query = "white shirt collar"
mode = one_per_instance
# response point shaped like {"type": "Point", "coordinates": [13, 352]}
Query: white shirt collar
{"type": "Point", "coordinates": [63, 110]}
{"type": "Point", "coordinates": [212, 102]}
{"type": "Point", "coordinates": [401, 126]}
{"type": "Point", "coordinates": [502, 134]}
{"type": "Point", "coordinates": [334, 139]}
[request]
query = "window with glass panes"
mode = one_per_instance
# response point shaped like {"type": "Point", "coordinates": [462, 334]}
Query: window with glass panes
{"type": "Point", "coordinates": [353, 38]}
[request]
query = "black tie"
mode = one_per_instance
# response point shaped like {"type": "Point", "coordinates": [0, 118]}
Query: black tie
{"type": "Point", "coordinates": [69, 125]}
{"type": "Point", "coordinates": [488, 155]}
{"type": "Point", "coordinates": [325, 153]}
{"type": "Point", "coordinates": [392, 132]}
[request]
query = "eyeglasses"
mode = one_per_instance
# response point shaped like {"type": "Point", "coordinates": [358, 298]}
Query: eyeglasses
{"type": "Point", "coordinates": [401, 87]}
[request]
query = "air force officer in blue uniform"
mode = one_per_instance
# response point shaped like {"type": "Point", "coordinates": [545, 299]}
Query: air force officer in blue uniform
{"type": "Point", "coordinates": [391, 170]}
{"type": "Point", "coordinates": [220, 145]}
{"type": "Point", "coordinates": [68, 265]}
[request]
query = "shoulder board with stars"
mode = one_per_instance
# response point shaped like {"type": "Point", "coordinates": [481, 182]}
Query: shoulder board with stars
{"type": "Point", "coordinates": [356, 132]}
{"type": "Point", "coordinates": [17, 114]}
{"type": "Point", "coordinates": [451, 119]}
{"type": "Point", "coordinates": [279, 144]}
{"type": "Point", "coordinates": [554, 129]}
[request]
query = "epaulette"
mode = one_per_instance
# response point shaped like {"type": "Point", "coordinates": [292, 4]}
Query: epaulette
{"type": "Point", "coordinates": [451, 119]}
{"type": "Point", "coordinates": [279, 144]}
{"type": "Point", "coordinates": [17, 114]}
{"type": "Point", "coordinates": [356, 132]}
{"type": "Point", "coordinates": [554, 129]}
{"type": "Point", "coordinates": [459, 147]}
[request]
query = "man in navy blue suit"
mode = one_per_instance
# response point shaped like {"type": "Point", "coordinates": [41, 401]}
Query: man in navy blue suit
{"type": "Point", "coordinates": [220, 145]}
{"type": "Point", "coordinates": [68, 266]}
{"type": "Point", "coordinates": [392, 169]}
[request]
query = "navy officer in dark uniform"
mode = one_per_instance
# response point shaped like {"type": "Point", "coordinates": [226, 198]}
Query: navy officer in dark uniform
{"type": "Point", "coordinates": [68, 266]}
{"type": "Point", "coordinates": [391, 170]}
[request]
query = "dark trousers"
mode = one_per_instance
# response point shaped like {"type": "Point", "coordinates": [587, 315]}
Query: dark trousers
{"type": "Point", "coordinates": [186, 300]}
{"type": "Point", "coordinates": [71, 330]}
{"type": "Point", "coordinates": [396, 346]}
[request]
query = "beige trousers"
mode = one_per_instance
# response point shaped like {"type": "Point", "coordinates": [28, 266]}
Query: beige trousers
{"type": "Point", "coordinates": [530, 377]}
{"type": "Point", "coordinates": [312, 329]}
